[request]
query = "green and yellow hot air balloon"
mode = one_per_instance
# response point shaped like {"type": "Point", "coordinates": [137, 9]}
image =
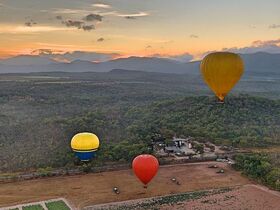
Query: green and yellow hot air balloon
{"type": "Point", "coordinates": [85, 145]}
{"type": "Point", "coordinates": [221, 71]}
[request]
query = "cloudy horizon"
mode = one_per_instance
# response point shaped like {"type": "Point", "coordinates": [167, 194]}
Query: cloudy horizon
{"type": "Point", "coordinates": [180, 29]}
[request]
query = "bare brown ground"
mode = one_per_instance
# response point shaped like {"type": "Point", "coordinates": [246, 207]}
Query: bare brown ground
{"type": "Point", "coordinates": [250, 197]}
{"type": "Point", "coordinates": [90, 189]}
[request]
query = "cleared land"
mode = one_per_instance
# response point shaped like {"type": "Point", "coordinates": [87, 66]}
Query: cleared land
{"type": "Point", "coordinates": [249, 197]}
{"type": "Point", "coordinates": [93, 189]}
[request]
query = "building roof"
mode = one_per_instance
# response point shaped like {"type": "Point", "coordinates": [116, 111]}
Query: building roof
{"type": "Point", "coordinates": [178, 139]}
{"type": "Point", "coordinates": [172, 148]}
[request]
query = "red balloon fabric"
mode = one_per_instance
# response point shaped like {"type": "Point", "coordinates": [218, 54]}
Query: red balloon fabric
{"type": "Point", "coordinates": [145, 167]}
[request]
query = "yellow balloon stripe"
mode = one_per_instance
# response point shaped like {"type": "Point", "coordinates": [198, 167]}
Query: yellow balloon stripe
{"type": "Point", "coordinates": [85, 142]}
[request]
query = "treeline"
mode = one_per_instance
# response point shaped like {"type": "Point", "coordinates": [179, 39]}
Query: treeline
{"type": "Point", "coordinates": [242, 122]}
{"type": "Point", "coordinates": [126, 130]}
{"type": "Point", "coordinates": [259, 167]}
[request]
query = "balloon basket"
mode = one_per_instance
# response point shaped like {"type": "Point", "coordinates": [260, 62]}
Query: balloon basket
{"type": "Point", "coordinates": [219, 101]}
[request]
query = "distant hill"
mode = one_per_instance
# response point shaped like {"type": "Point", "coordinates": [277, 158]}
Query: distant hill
{"type": "Point", "coordinates": [146, 64]}
{"type": "Point", "coordinates": [27, 60]}
{"type": "Point", "coordinates": [262, 62]}
{"type": "Point", "coordinates": [256, 64]}
{"type": "Point", "coordinates": [161, 65]}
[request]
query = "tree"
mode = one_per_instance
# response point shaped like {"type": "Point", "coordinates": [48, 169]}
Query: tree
{"type": "Point", "coordinates": [199, 148]}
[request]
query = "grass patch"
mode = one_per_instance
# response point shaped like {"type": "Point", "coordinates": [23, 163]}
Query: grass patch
{"type": "Point", "coordinates": [57, 205]}
{"type": "Point", "coordinates": [33, 207]}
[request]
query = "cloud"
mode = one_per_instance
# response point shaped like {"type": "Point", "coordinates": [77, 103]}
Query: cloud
{"type": "Point", "coordinates": [274, 26]}
{"type": "Point", "coordinates": [193, 36]}
{"type": "Point", "coordinates": [93, 17]}
{"type": "Point", "coordinates": [101, 39]}
{"type": "Point", "coordinates": [88, 27]}
{"type": "Point", "coordinates": [59, 17]}
{"type": "Point", "coordinates": [259, 43]}
{"type": "Point", "coordinates": [53, 46]}
{"type": "Point", "coordinates": [139, 14]}
{"type": "Point", "coordinates": [104, 6]}
{"type": "Point", "coordinates": [42, 52]}
{"type": "Point", "coordinates": [185, 57]}
{"type": "Point", "coordinates": [70, 11]}
{"type": "Point", "coordinates": [18, 29]}
{"type": "Point", "coordinates": [78, 24]}
{"type": "Point", "coordinates": [30, 22]}
{"type": "Point", "coordinates": [76, 55]}
{"type": "Point", "coordinates": [269, 46]}
{"type": "Point", "coordinates": [81, 24]}
{"type": "Point", "coordinates": [130, 17]}
{"type": "Point", "coordinates": [73, 23]}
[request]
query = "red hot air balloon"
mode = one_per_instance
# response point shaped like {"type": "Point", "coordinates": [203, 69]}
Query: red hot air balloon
{"type": "Point", "coordinates": [145, 167]}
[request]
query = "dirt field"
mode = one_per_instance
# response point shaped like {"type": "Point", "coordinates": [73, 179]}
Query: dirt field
{"type": "Point", "coordinates": [91, 189]}
{"type": "Point", "coordinates": [250, 197]}
{"type": "Point", "coordinates": [246, 197]}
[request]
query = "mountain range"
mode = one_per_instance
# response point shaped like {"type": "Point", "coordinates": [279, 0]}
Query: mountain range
{"type": "Point", "coordinates": [257, 64]}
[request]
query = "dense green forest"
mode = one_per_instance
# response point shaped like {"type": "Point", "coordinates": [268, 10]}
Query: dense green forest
{"type": "Point", "coordinates": [41, 112]}
{"type": "Point", "coordinates": [242, 122]}
{"type": "Point", "coordinates": [264, 168]}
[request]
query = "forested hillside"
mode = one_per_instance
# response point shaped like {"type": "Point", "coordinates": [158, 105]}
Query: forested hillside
{"type": "Point", "coordinates": [41, 112]}
{"type": "Point", "coordinates": [126, 131]}
{"type": "Point", "coordinates": [242, 122]}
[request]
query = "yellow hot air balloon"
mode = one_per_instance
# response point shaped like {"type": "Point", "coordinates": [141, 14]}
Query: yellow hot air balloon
{"type": "Point", "coordinates": [85, 145]}
{"type": "Point", "coordinates": [221, 71]}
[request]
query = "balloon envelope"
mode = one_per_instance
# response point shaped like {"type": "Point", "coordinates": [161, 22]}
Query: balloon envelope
{"type": "Point", "coordinates": [221, 71]}
{"type": "Point", "coordinates": [85, 145]}
{"type": "Point", "coordinates": [145, 167]}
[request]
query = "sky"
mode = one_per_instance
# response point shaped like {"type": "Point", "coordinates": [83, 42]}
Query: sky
{"type": "Point", "coordinates": [183, 29]}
